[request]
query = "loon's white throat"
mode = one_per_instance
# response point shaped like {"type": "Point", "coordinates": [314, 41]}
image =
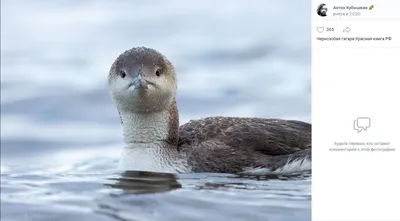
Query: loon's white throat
{"type": "Point", "coordinates": [146, 136]}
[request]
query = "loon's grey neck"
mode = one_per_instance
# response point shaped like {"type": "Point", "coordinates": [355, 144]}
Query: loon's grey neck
{"type": "Point", "coordinates": [161, 127]}
{"type": "Point", "coordinates": [151, 142]}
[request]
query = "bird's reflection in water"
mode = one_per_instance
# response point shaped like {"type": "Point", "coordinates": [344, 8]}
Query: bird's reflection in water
{"type": "Point", "coordinates": [245, 180]}
{"type": "Point", "coordinates": [282, 176]}
{"type": "Point", "coordinates": [140, 182]}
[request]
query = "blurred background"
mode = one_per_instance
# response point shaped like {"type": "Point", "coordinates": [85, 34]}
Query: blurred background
{"type": "Point", "coordinates": [233, 58]}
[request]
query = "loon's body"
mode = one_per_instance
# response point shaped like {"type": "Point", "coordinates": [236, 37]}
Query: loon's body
{"type": "Point", "coordinates": [143, 86]}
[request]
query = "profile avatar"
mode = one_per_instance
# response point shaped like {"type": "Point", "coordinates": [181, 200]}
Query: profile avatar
{"type": "Point", "coordinates": [322, 10]}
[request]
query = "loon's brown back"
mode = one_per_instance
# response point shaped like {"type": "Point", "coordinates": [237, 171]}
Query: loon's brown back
{"type": "Point", "coordinates": [269, 136]}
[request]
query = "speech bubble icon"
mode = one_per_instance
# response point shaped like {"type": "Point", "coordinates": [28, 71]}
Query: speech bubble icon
{"type": "Point", "coordinates": [362, 123]}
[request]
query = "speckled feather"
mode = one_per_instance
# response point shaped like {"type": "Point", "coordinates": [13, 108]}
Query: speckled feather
{"type": "Point", "coordinates": [229, 144]}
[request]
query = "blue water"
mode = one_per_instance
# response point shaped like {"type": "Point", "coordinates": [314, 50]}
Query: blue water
{"type": "Point", "coordinates": [61, 135]}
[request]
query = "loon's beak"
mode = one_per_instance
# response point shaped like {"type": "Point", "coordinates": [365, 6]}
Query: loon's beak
{"type": "Point", "coordinates": [139, 82]}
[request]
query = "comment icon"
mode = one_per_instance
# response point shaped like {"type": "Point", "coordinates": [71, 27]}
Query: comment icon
{"type": "Point", "coordinates": [362, 123]}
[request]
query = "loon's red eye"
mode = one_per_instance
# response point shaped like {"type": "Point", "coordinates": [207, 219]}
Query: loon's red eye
{"type": "Point", "coordinates": [122, 73]}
